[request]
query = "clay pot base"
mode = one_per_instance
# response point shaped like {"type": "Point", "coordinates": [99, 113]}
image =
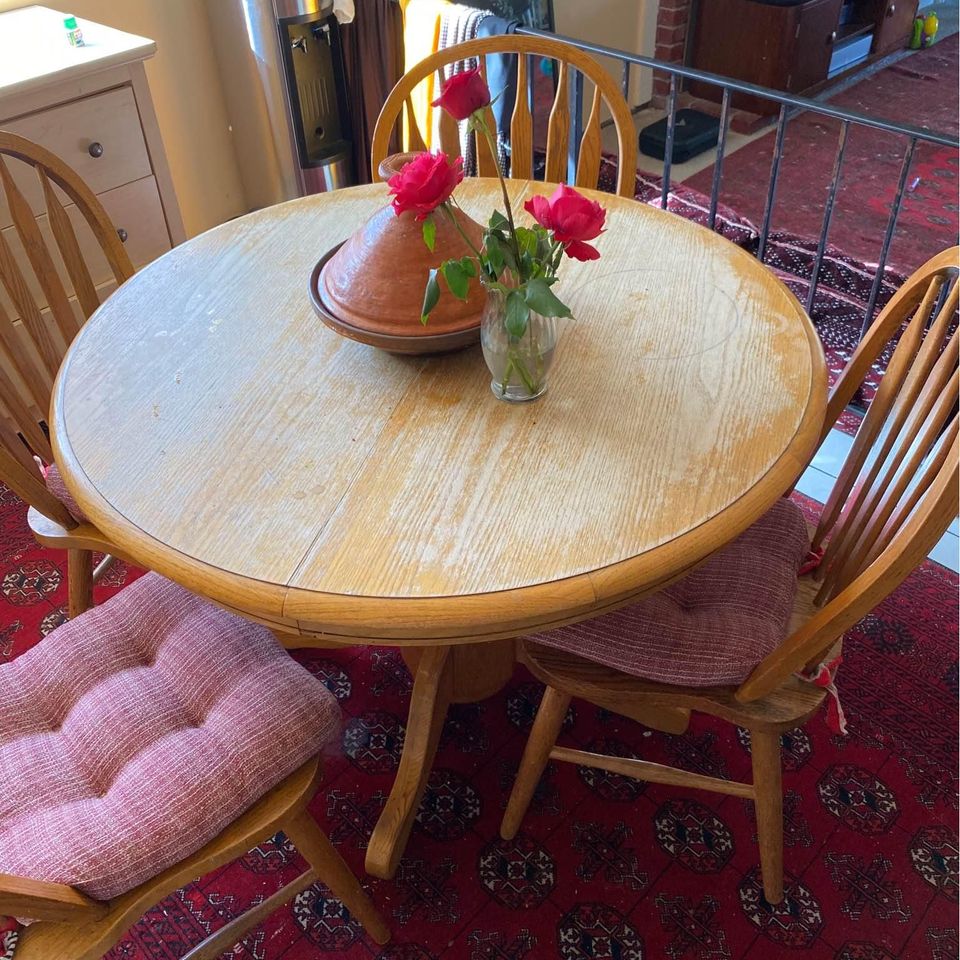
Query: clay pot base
{"type": "Point", "coordinates": [417, 343]}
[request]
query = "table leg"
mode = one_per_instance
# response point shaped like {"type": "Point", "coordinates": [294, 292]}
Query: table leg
{"type": "Point", "coordinates": [442, 675]}
{"type": "Point", "coordinates": [432, 688]}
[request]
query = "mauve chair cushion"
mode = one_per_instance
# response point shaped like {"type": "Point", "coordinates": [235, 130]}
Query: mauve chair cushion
{"type": "Point", "coordinates": [58, 488]}
{"type": "Point", "coordinates": [713, 626]}
{"type": "Point", "coordinates": [133, 735]}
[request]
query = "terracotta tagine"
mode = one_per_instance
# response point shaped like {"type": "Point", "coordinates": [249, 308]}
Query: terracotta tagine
{"type": "Point", "coordinates": [371, 288]}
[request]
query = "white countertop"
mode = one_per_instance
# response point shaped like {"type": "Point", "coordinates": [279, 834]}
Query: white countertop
{"type": "Point", "coordinates": [34, 50]}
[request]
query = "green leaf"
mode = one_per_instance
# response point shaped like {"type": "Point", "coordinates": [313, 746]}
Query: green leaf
{"type": "Point", "coordinates": [527, 241]}
{"type": "Point", "coordinates": [517, 314]}
{"type": "Point", "coordinates": [508, 256]}
{"type": "Point", "coordinates": [541, 299]}
{"type": "Point", "coordinates": [493, 250]}
{"type": "Point", "coordinates": [544, 244]}
{"type": "Point", "coordinates": [431, 296]}
{"type": "Point", "coordinates": [498, 221]}
{"type": "Point", "coordinates": [457, 279]}
{"type": "Point", "coordinates": [430, 233]}
{"type": "Point", "coordinates": [469, 267]}
{"type": "Point", "coordinates": [526, 266]}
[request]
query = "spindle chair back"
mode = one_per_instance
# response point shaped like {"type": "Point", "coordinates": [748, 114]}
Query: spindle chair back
{"type": "Point", "coordinates": [47, 292]}
{"type": "Point", "coordinates": [529, 52]}
{"type": "Point", "coordinates": [893, 499]}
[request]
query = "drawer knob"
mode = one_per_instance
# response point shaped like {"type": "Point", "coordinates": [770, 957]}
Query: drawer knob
{"type": "Point", "coordinates": [95, 150]}
{"type": "Point", "coordinates": [122, 234]}
{"type": "Point", "coordinates": [891, 10]}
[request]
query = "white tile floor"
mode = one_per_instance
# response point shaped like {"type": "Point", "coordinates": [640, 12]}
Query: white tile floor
{"type": "Point", "coordinates": [818, 481]}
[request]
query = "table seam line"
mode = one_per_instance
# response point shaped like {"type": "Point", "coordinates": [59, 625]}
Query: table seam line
{"type": "Point", "coordinates": [287, 587]}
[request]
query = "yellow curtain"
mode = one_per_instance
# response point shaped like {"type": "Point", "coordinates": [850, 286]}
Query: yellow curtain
{"type": "Point", "coordinates": [421, 37]}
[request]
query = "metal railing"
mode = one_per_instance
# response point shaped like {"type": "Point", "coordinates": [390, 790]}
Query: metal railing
{"type": "Point", "coordinates": [790, 106]}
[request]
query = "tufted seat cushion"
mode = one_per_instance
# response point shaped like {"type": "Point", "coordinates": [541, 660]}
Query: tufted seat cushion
{"type": "Point", "coordinates": [55, 484]}
{"type": "Point", "coordinates": [131, 736]}
{"type": "Point", "coordinates": [713, 626]}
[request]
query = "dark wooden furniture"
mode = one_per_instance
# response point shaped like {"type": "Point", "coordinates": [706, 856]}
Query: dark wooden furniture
{"type": "Point", "coordinates": [789, 46]}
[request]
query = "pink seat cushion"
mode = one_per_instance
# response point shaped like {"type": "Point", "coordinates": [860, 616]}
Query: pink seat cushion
{"type": "Point", "coordinates": [131, 736]}
{"type": "Point", "coordinates": [711, 627]}
{"type": "Point", "coordinates": [59, 489]}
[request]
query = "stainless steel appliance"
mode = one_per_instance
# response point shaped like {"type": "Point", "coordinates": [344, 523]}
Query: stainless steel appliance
{"type": "Point", "coordinates": [286, 93]}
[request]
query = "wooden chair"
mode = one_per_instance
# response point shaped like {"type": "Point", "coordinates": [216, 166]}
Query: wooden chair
{"type": "Point", "coordinates": [521, 128]}
{"type": "Point", "coordinates": [80, 928]}
{"type": "Point", "coordinates": [894, 498]}
{"type": "Point", "coordinates": [152, 715]}
{"type": "Point", "coordinates": [52, 293]}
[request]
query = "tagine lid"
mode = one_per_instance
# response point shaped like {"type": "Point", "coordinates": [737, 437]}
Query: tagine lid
{"type": "Point", "coordinates": [376, 280]}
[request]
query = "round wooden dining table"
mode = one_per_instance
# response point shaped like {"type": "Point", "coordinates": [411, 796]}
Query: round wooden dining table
{"type": "Point", "coordinates": [214, 429]}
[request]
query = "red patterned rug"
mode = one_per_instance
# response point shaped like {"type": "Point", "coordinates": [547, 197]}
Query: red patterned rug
{"type": "Point", "coordinates": [605, 867]}
{"type": "Point", "coordinates": [921, 90]}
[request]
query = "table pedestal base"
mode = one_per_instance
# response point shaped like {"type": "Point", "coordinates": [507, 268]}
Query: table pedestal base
{"type": "Point", "coordinates": [442, 675]}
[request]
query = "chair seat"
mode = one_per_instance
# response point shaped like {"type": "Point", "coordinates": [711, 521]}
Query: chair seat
{"type": "Point", "coordinates": [133, 735]}
{"type": "Point", "coordinates": [713, 626]}
{"type": "Point", "coordinates": [58, 488]}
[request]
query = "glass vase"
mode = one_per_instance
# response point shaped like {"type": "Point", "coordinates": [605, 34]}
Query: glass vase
{"type": "Point", "coordinates": [519, 365]}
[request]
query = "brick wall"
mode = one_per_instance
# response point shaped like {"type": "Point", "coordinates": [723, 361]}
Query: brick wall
{"type": "Point", "coordinates": [673, 19]}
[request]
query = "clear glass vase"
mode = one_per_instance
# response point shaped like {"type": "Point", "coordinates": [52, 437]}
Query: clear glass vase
{"type": "Point", "coordinates": [519, 365]}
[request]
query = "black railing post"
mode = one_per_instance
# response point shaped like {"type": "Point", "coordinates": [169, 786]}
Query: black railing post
{"type": "Point", "coordinates": [668, 146]}
{"type": "Point", "coordinates": [772, 188]}
{"type": "Point", "coordinates": [828, 214]}
{"type": "Point", "coordinates": [888, 236]}
{"type": "Point", "coordinates": [718, 163]}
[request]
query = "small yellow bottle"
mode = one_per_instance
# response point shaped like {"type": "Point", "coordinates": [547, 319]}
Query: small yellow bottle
{"type": "Point", "coordinates": [931, 24]}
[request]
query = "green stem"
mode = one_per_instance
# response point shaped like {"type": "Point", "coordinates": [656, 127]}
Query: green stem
{"type": "Point", "coordinates": [524, 375]}
{"type": "Point", "coordinates": [482, 124]}
{"type": "Point", "coordinates": [504, 383]}
{"type": "Point", "coordinates": [446, 209]}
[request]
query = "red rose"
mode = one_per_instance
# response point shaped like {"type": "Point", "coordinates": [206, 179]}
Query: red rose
{"type": "Point", "coordinates": [464, 94]}
{"type": "Point", "coordinates": [424, 183]}
{"type": "Point", "coordinates": [572, 218]}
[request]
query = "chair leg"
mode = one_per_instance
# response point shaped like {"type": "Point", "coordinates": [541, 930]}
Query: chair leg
{"type": "Point", "coordinates": [543, 736]}
{"type": "Point", "coordinates": [79, 582]}
{"type": "Point", "coordinates": [767, 783]}
{"type": "Point", "coordinates": [321, 854]}
{"type": "Point", "coordinates": [232, 932]}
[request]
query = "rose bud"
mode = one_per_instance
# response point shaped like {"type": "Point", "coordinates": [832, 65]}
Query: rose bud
{"type": "Point", "coordinates": [572, 218]}
{"type": "Point", "coordinates": [464, 94]}
{"type": "Point", "coordinates": [425, 183]}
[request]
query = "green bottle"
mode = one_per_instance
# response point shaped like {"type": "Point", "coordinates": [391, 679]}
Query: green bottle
{"type": "Point", "coordinates": [74, 33]}
{"type": "Point", "coordinates": [916, 38]}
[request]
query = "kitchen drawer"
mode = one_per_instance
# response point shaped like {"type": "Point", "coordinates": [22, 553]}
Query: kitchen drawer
{"type": "Point", "coordinates": [109, 119]}
{"type": "Point", "coordinates": [133, 207]}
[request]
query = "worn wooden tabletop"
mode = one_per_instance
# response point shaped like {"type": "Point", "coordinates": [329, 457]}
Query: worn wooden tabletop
{"type": "Point", "coordinates": [212, 426]}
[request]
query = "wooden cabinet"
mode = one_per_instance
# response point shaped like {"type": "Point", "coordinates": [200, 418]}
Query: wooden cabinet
{"type": "Point", "coordinates": [92, 108]}
{"type": "Point", "coordinates": [791, 47]}
{"type": "Point", "coordinates": [813, 40]}
{"type": "Point", "coordinates": [894, 19]}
